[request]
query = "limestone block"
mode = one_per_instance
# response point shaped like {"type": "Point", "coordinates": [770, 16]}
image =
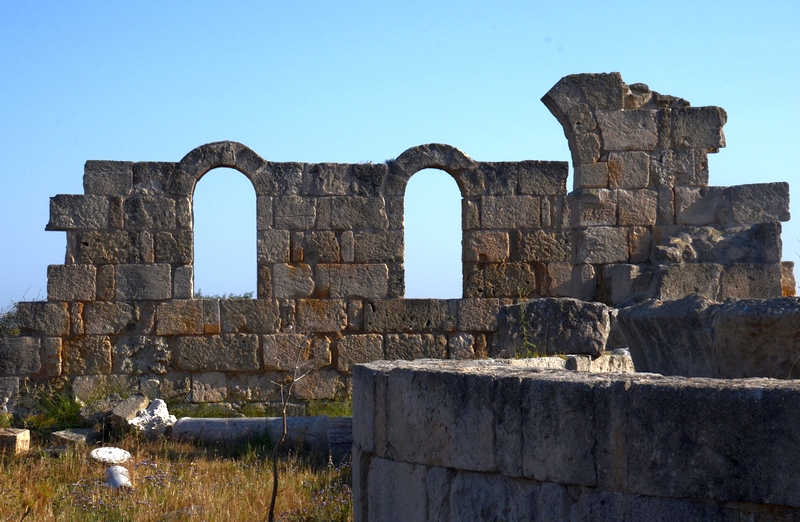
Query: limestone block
{"type": "Point", "coordinates": [580, 118]}
{"type": "Point", "coordinates": [318, 385]}
{"type": "Point", "coordinates": [461, 346]}
{"type": "Point", "coordinates": [415, 346]}
{"type": "Point", "coordinates": [622, 281]}
{"type": "Point", "coordinates": [151, 177]}
{"type": "Point", "coordinates": [76, 318]}
{"type": "Point", "coordinates": [628, 130]}
{"type": "Point", "coordinates": [209, 387]}
{"type": "Point", "coordinates": [666, 205]}
{"type": "Point", "coordinates": [211, 316]}
{"type": "Point", "coordinates": [553, 326]}
{"type": "Point", "coordinates": [327, 179]}
{"type": "Point", "coordinates": [14, 441]}
{"type": "Point", "coordinates": [397, 491]}
{"type": "Point", "coordinates": [71, 212]}
{"type": "Point", "coordinates": [321, 247]}
{"type": "Point", "coordinates": [353, 349]}
{"type": "Point", "coordinates": [787, 279]}
{"type": "Point", "coordinates": [19, 356]}
{"type": "Point", "coordinates": [286, 352]}
{"type": "Point", "coordinates": [263, 213]}
{"type": "Point", "coordinates": [292, 281]}
{"type": "Point", "coordinates": [147, 247]}
{"type": "Point", "coordinates": [126, 410]}
{"type": "Point", "coordinates": [143, 282]}
{"type": "Point", "coordinates": [104, 282]}
{"type": "Point", "coordinates": [51, 356]}
{"type": "Point", "coordinates": [378, 247]}
{"type": "Point", "coordinates": [273, 246]}
{"type": "Point", "coordinates": [702, 206]}
{"type": "Point", "coordinates": [761, 202]}
{"type": "Point", "coordinates": [405, 315]}
{"type": "Point", "coordinates": [102, 318]}
{"type": "Point", "coordinates": [351, 212]}
{"type": "Point", "coordinates": [584, 282]}
{"type": "Point", "coordinates": [698, 128]}
{"type": "Point", "coordinates": [86, 355]}
{"type": "Point", "coordinates": [107, 246]}
{"type": "Point", "coordinates": [500, 178]}
{"type": "Point", "coordinates": [71, 282]}
{"type": "Point", "coordinates": [397, 280]}
{"type": "Point", "coordinates": [543, 178]}
{"type": "Point", "coordinates": [184, 213]}
{"type": "Point", "coordinates": [559, 279]}
{"type": "Point", "coordinates": [585, 148]}
{"type": "Point", "coordinates": [478, 314]}
{"type": "Point", "coordinates": [593, 207]}
{"type": "Point", "coordinates": [367, 178]}
{"type": "Point", "coordinates": [628, 170]}
{"type": "Point", "coordinates": [640, 241]}
{"type": "Point", "coordinates": [183, 282]}
{"type": "Point", "coordinates": [294, 213]}
{"type": "Point", "coordinates": [352, 280]}
{"type": "Point", "coordinates": [180, 317]}
{"type": "Point", "coordinates": [108, 178]}
{"type": "Point", "coordinates": [602, 245]}
{"type": "Point", "coordinates": [547, 213]}
{"type": "Point", "coordinates": [510, 212]}
{"type": "Point", "coordinates": [142, 354]}
{"type": "Point", "coordinates": [281, 178]}
{"type": "Point", "coordinates": [355, 314]}
{"type": "Point", "coordinates": [591, 175]}
{"type": "Point", "coordinates": [249, 315]}
{"type": "Point", "coordinates": [348, 246]}
{"type": "Point", "coordinates": [150, 213]}
{"type": "Point", "coordinates": [321, 315]}
{"type": "Point", "coordinates": [226, 352]}
{"type": "Point", "coordinates": [597, 91]}
{"type": "Point", "coordinates": [637, 207]}
{"type": "Point", "coordinates": [174, 247]}
{"type": "Point", "coordinates": [44, 318]}
{"type": "Point", "coordinates": [173, 387]}
{"type": "Point", "coordinates": [757, 281]}
{"type": "Point", "coordinates": [546, 245]}
{"type": "Point", "coordinates": [484, 496]}
{"type": "Point", "coordinates": [395, 212]}
{"type": "Point", "coordinates": [470, 214]}
{"type": "Point", "coordinates": [677, 281]}
{"type": "Point", "coordinates": [486, 245]}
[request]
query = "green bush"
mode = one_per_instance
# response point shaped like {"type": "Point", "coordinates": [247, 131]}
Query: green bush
{"type": "Point", "coordinates": [9, 326]}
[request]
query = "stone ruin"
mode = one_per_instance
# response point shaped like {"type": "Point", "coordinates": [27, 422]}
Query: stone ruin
{"type": "Point", "coordinates": [641, 223]}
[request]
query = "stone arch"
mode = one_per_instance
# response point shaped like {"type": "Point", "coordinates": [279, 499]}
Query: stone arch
{"type": "Point", "coordinates": [437, 156]}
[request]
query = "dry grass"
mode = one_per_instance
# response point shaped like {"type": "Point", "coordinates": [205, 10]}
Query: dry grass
{"type": "Point", "coordinates": [172, 482]}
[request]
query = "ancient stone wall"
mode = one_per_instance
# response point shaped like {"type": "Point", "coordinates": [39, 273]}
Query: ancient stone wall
{"type": "Point", "coordinates": [641, 222]}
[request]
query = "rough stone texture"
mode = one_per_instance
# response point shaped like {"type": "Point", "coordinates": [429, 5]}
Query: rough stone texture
{"type": "Point", "coordinates": [76, 212]}
{"type": "Point", "coordinates": [71, 282]}
{"type": "Point", "coordinates": [318, 315]}
{"type": "Point", "coordinates": [510, 212]}
{"type": "Point", "coordinates": [478, 314]}
{"type": "Point", "coordinates": [249, 316]}
{"type": "Point", "coordinates": [87, 355]}
{"type": "Point", "coordinates": [180, 317]}
{"type": "Point", "coordinates": [628, 130]}
{"type": "Point", "coordinates": [14, 441]}
{"type": "Point", "coordinates": [292, 281]}
{"type": "Point", "coordinates": [761, 202]}
{"type": "Point", "coordinates": [273, 246]}
{"type": "Point", "coordinates": [415, 346]}
{"type": "Point", "coordinates": [227, 352]}
{"type": "Point", "coordinates": [486, 246]}
{"type": "Point", "coordinates": [143, 282]}
{"type": "Point", "coordinates": [355, 280]}
{"type": "Point", "coordinates": [50, 319]}
{"type": "Point", "coordinates": [142, 355]}
{"type": "Point", "coordinates": [19, 356]}
{"type": "Point", "coordinates": [405, 315]}
{"type": "Point", "coordinates": [354, 349]}
{"type": "Point", "coordinates": [545, 245]}
{"type": "Point", "coordinates": [209, 387]}
{"type": "Point", "coordinates": [602, 245]}
{"type": "Point", "coordinates": [108, 318]}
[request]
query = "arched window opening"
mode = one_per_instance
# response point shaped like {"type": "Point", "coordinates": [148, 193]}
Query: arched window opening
{"type": "Point", "coordinates": [224, 235]}
{"type": "Point", "coordinates": [433, 236]}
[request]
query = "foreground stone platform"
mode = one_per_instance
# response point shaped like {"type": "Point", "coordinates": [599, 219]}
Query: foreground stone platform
{"type": "Point", "coordinates": [488, 440]}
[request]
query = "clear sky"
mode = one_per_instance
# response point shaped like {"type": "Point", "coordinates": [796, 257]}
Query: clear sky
{"type": "Point", "coordinates": [349, 81]}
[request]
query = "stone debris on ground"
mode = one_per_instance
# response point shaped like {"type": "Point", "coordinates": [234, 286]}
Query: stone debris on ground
{"type": "Point", "coordinates": [110, 455]}
{"type": "Point", "coordinates": [118, 477]}
{"type": "Point", "coordinates": [153, 421]}
{"type": "Point", "coordinates": [14, 441]}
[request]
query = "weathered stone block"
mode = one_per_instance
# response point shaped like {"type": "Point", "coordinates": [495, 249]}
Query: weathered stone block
{"type": "Point", "coordinates": [43, 318]}
{"type": "Point", "coordinates": [355, 314]}
{"type": "Point", "coordinates": [677, 281]}
{"type": "Point", "coordinates": [591, 175]}
{"type": "Point", "coordinates": [628, 130]}
{"type": "Point", "coordinates": [264, 213]}
{"type": "Point", "coordinates": [478, 315]}
{"type": "Point", "coordinates": [486, 246]}
{"type": "Point", "coordinates": [318, 385]}
{"type": "Point", "coordinates": [585, 148]}
{"type": "Point", "coordinates": [71, 282]}
{"type": "Point", "coordinates": [351, 212]}
{"type": "Point", "coordinates": [510, 212]}
{"type": "Point", "coordinates": [51, 357]}
{"type": "Point", "coordinates": [19, 356]}
{"type": "Point", "coordinates": [470, 215]}
{"type": "Point", "coordinates": [367, 178]}
{"type": "Point", "coordinates": [397, 491]}
{"type": "Point", "coordinates": [102, 318]}
{"type": "Point", "coordinates": [71, 212]}
{"type": "Point", "coordinates": [347, 243]}
{"type": "Point", "coordinates": [321, 315]}
{"type": "Point", "coordinates": [378, 247]}
{"type": "Point", "coordinates": [320, 246]}
{"type": "Point", "coordinates": [584, 282]}
{"type": "Point", "coordinates": [143, 282]}
{"type": "Point", "coordinates": [698, 128]}
{"type": "Point", "coordinates": [151, 177]}
{"type": "Point", "coordinates": [14, 441]}
{"type": "Point", "coordinates": [628, 170]}
{"type": "Point", "coordinates": [640, 241]}
{"type": "Point", "coordinates": [602, 245]}
{"type": "Point", "coordinates": [142, 355]}
{"type": "Point", "coordinates": [294, 213]}
{"type": "Point", "coordinates": [287, 352]}
{"type": "Point", "coordinates": [249, 315]}
{"type": "Point", "coordinates": [353, 349]}
{"type": "Point", "coordinates": [104, 282]}
{"type": "Point", "coordinates": [292, 281]}
{"type": "Point", "coordinates": [183, 282]}
{"type": "Point", "coordinates": [461, 346]}
{"type": "Point", "coordinates": [543, 178]}
{"type": "Point", "coordinates": [500, 178]}
{"type": "Point", "coordinates": [593, 207]}
{"type": "Point", "coordinates": [174, 247]}
{"type": "Point", "coordinates": [787, 279]}
{"type": "Point", "coordinates": [76, 318]}
{"type": "Point", "coordinates": [107, 246]}
{"type": "Point", "coordinates": [209, 387]}
{"type": "Point", "coordinates": [405, 315]}
{"type": "Point", "coordinates": [180, 317]}
{"type": "Point", "coordinates": [87, 355]}
{"type": "Point", "coordinates": [416, 346]}
{"type": "Point", "coordinates": [757, 281]}
{"type": "Point", "coordinates": [227, 352]}
{"type": "Point", "coordinates": [506, 280]}
{"type": "Point", "coordinates": [108, 178]}
{"type": "Point", "coordinates": [273, 246]}
{"type": "Point", "coordinates": [547, 245]}
{"type": "Point", "coordinates": [559, 279]}
{"type": "Point", "coordinates": [637, 207]}
{"type": "Point", "coordinates": [327, 179]}
{"type": "Point", "coordinates": [702, 206]}
{"type": "Point", "coordinates": [252, 388]}
{"type": "Point", "coordinates": [150, 213]}
{"type": "Point", "coordinates": [759, 203]}
{"type": "Point", "coordinates": [352, 280]}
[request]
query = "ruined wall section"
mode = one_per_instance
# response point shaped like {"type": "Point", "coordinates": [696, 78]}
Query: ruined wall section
{"type": "Point", "coordinates": [646, 222]}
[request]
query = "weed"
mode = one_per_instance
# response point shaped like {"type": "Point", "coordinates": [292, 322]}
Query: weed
{"type": "Point", "coordinates": [6, 420]}
{"type": "Point", "coordinates": [245, 296]}
{"type": "Point", "coordinates": [330, 408]}
{"type": "Point", "coordinates": [54, 409]}
{"type": "Point", "coordinates": [9, 325]}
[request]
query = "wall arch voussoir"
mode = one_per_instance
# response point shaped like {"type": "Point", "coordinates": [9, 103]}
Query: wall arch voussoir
{"type": "Point", "coordinates": [434, 156]}
{"type": "Point", "coordinates": [202, 159]}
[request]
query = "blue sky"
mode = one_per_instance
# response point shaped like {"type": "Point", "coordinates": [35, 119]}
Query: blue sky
{"type": "Point", "coordinates": [357, 81]}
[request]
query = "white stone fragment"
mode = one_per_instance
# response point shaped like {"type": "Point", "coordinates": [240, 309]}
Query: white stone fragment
{"type": "Point", "coordinates": [118, 477]}
{"type": "Point", "coordinates": [154, 420]}
{"type": "Point", "coordinates": [110, 455]}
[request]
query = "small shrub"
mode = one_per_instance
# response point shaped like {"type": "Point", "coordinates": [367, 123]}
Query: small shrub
{"type": "Point", "coordinates": [54, 409]}
{"type": "Point", "coordinates": [9, 326]}
{"type": "Point", "coordinates": [6, 420]}
{"type": "Point", "coordinates": [330, 408]}
{"type": "Point", "coordinates": [246, 296]}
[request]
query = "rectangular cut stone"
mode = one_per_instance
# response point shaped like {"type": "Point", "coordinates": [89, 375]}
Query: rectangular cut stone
{"type": "Point", "coordinates": [499, 178]}
{"type": "Point", "coordinates": [637, 207]}
{"type": "Point", "coordinates": [515, 280]}
{"type": "Point", "coordinates": [352, 280]}
{"type": "Point", "coordinates": [510, 212]}
{"type": "Point", "coordinates": [698, 127]}
{"type": "Point", "coordinates": [183, 282]}
{"type": "Point", "coordinates": [51, 356]}
{"type": "Point", "coordinates": [628, 170]}
{"type": "Point", "coordinates": [559, 279]}
{"type": "Point", "coordinates": [591, 175]}
{"type": "Point", "coordinates": [294, 213]}
{"type": "Point", "coordinates": [143, 282]}
{"type": "Point", "coordinates": [546, 245]}
{"type": "Point", "coordinates": [321, 315]}
{"type": "Point", "coordinates": [416, 346]}
{"type": "Point", "coordinates": [486, 245]}
{"type": "Point", "coordinates": [543, 178]}
{"type": "Point", "coordinates": [75, 212]}
{"type": "Point", "coordinates": [470, 215]}
{"type": "Point", "coordinates": [150, 213]}
{"type": "Point", "coordinates": [677, 281]}
{"type": "Point", "coordinates": [71, 282]}
{"type": "Point", "coordinates": [174, 247]}
{"type": "Point", "coordinates": [352, 212]}
{"type": "Point", "coordinates": [87, 355]}
{"type": "Point", "coordinates": [759, 203]}
{"type": "Point", "coordinates": [249, 315]}
{"type": "Point", "coordinates": [19, 356]}
{"type": "Point", "coordinates": [43, 318]}
{"type": "Point", "coordinates": [227, 352]}
{"type": "Point", "coordinates": [209, 387]}
{"type": "Point", "coordinates": [754, 281]}
{"type": "Point", "coordinates": [327, 179]}
{"type": "Point", "coordinates": [367, 178]}
{"type": "Point", "coordinates": [593, 207]}
{"type": "Point", "coordinates": [397, 491]}
{"type": "Point", "coordinates": [105, 282]}
{"type": "Point", "coordinates": [292, 281]}
{"type": "Point", "coordinates": [264, 213]}
{"type": "Point", "coordinates": [108, 178]}
{"type": "Point", "coordinates": [628, 130]}
{"type": "Point", "coordinates": [702, 206]}
{"type": "Point", "coordinates": [585, 148]}
{"type": "Point", "coordinates": [286, 352]}
{"type": "Point", "coordinates": [273, 246]}
{"type": "Point", "coordinates": [180, 317]}
{"type": "Point", "coordinates": [405, 315]}
{"type": "Point", "coordinates": [600, 245]}
{"type": "Point", "coordinates": [353, 349]}
{"type": "Point", "coordinates": [253, 388]}
{"type": "Point", "coordinates": [14, 441]}
{"type": "Point", "coordinates": [100, 247]}
{"type": "Point", "coordinates": [103, 318]}
{"type": "Point", "coordinates": [321, 246]}
{"type": "Point", "coordinates": [378, 247]}
{"type": "Point", "coordinates": [140, 354]}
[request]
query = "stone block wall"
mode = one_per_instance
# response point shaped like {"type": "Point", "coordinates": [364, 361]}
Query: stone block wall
{"type": "Point", "coordinates": [641, 222]}
{"type": "Point", "coordinates": [484, 440]}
